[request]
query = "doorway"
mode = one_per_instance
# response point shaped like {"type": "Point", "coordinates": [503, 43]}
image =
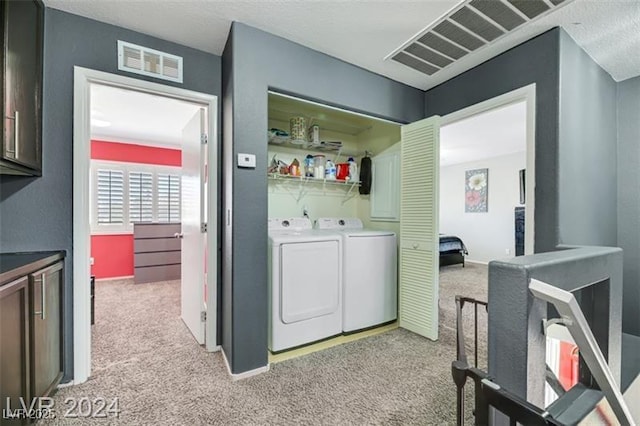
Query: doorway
{"type": "Point", "coordinates": [518, 105]}
{"type": "Point", "coordinates": [197, 216]}
{"type": "Point", "coordinates": [419, 219]}
{"type": "Point", "coordinates": [487, 191]}
{"type": "Point", "coordinates": [482, 158]}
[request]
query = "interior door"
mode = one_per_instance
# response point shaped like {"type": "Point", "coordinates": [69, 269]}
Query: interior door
{"type": "Point", "coordinates": [419, 254]}
{"type": "Point", "coordinates": [193, 310]}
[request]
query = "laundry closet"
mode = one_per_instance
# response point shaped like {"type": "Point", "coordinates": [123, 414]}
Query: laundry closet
{"type": "Point", "coordinates": [332, 244]}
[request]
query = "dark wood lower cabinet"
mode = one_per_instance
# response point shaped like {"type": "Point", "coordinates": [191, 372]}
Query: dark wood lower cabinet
{"type": "Point", "coordinates": [31, 338]}
{"type": "Point", "coordinates": [14, 350]}
{"type": "Point", "coordinates": [46, 331]}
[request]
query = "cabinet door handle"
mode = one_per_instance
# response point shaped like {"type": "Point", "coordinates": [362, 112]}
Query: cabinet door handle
{"type": "Point", "coordinates": [43, 297]}
{"type": "Point", "coordinates": [16, 134]}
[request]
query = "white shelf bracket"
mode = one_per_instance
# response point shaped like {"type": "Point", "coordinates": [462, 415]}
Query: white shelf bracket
{"type": "Point", "coordinates": [348, 195]}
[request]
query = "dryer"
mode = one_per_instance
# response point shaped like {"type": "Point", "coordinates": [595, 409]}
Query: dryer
{"type": "Point", "coordinates": [370, 273]}
{"type": "Point", "coordinates": [305, 283]}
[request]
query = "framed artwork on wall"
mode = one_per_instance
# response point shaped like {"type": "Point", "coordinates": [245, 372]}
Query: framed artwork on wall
{"type": "Point", "coordinates": [476, 190]}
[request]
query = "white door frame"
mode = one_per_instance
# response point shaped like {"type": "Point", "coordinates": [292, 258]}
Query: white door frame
{"type": "Point", "coordinates": [83, 78]}
{"type": "Point", "coordinates": [528, 95]}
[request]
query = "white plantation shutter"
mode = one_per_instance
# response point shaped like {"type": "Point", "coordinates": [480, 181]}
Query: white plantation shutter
{"type": "Point", "coordinates": [110, 196]}
{"type": "Point", "coordinates": [140, 197]}
{"type": "Point", "coordinates": [123, 194]}
{"type": "Point", "coordinates": [168, 197]}
{"type": "Point", "coordinates": [419, 254]}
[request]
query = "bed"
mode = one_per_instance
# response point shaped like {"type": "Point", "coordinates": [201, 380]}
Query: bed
{"type": "Point", "coordinates": [452, 250]}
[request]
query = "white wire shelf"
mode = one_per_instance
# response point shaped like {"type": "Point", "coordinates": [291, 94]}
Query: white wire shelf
{"type": "Point", "coordinates": [303, 181]}
{"type": "Point", "coordinates": [324, 148]}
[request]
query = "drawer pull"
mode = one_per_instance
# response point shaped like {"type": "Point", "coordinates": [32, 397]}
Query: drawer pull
{"type": "Point", "coordinates": [43, 297]}
{"type": "Point", "coordinates": [16, 134]}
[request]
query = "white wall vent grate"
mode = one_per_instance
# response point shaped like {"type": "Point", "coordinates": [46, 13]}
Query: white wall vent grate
{"type": "Point", "coordinates": [470, 26]}
{"type": "Point", "coordinates": [149, 62]}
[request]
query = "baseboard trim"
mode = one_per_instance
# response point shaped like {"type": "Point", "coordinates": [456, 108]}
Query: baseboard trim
{"type": "Point", "coordinates": [126, 277]}
{"type": "Point", "coordinates": [215, 349]}
{"type": "Point", "coordinates": [246, 374]}
{"type": "Point", "coordinates": [477, 262]}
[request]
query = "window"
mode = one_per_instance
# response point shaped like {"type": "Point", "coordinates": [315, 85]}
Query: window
{"type": "Point", "coordinates": [140, 197]}
{"type": "Point", "coordinates": [110, 202]}
{"type": "Point", "coordinates": [125, 193]}
{"type": "Point", "coordinates": [168, 198]}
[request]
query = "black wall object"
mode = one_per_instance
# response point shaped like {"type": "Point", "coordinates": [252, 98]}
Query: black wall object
{"type": "Point", "coordinates": [519, 229]}
{"type": "Point", "coordinates": [523, 195]}
{"type": "Point", "coordinates": [365, 176]}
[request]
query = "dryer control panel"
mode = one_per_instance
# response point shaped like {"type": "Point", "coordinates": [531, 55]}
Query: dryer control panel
{"type": "Point", "coordinates": [289, 224]}
{"type": "Point", "coordinates": [339, 223]}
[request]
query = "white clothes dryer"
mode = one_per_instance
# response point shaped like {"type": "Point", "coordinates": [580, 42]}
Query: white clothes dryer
{"type": "Point", "coordinates": [305, 283]}
{"type": "Point", "coordinates": [370, 273]}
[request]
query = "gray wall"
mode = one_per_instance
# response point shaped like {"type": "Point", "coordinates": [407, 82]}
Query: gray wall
{"type": "Point", "coordinates": [37, 212]}
{"type": "Point", "coordinates": [261, 61]}
{"type": "Point", "coordinates": [587, 150]}
{"type": "Point", "coordinates": [576, 161]}
{"type": "Point", "coordinates": [629, 198]}
{"type": "Point", "coordinates": [516, 353]}
{"type": "Point", "coordinates": [535, 61]}
{"type": "Point", "coordinates": [227, 195]}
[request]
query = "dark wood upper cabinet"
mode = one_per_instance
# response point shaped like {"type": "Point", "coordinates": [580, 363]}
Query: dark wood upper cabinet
{"type": "Point", "coordinates": [22, 60]}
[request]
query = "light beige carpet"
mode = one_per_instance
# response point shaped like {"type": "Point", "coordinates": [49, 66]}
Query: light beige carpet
{"type": "Point", "coordinates": [144, 356]}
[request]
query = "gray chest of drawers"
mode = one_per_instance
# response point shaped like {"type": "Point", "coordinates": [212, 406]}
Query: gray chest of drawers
{"type": "Point", "coordinates": [156, 252]}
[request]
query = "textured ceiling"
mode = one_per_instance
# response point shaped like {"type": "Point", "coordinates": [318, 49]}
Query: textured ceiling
{"type": "Point", "coordinates": [137, 117]}
{"type": "Point", "coordinates": [494, 133]}
{"type": "Point", "coordinates": [364, 32]}
{"type": "Point", "coordinates": [609, 31]}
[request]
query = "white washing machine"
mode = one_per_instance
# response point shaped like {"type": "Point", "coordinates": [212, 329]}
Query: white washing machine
{"type": "Point", "coordinates": [305, 283]}
{"type": "Point", "coordinates": [370, 273]}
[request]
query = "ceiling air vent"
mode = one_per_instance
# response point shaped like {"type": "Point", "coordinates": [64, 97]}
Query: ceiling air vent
{"type": "Point", "coordinates": [475, 23]}
{"type": "Point", "coordinates": [150, 62]}
{"type": "Point", "coordinates": [468, 27]}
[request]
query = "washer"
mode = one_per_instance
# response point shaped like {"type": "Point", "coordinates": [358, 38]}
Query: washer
{"type": "Point", "coordinates": [370, 273]}
{"type": "Point", "coordinates": [305, 283]}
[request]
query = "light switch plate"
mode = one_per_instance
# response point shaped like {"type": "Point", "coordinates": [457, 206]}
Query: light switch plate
{"type": "Point", "coordinates": [247, 160]}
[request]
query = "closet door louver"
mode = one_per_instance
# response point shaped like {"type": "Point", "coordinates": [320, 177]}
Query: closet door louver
{"type": "Point", "coordinates": [418, 286]}
{"type": "Point", "coordinates": [110, 205]}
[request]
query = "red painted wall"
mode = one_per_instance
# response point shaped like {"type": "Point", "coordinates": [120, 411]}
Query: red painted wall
{"type": "Point", "coordinates": [129, 153]}
{"type": "Point", "coordinates": [113, 254]}
{"type": "Point", "coordinates": [569, 365]}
